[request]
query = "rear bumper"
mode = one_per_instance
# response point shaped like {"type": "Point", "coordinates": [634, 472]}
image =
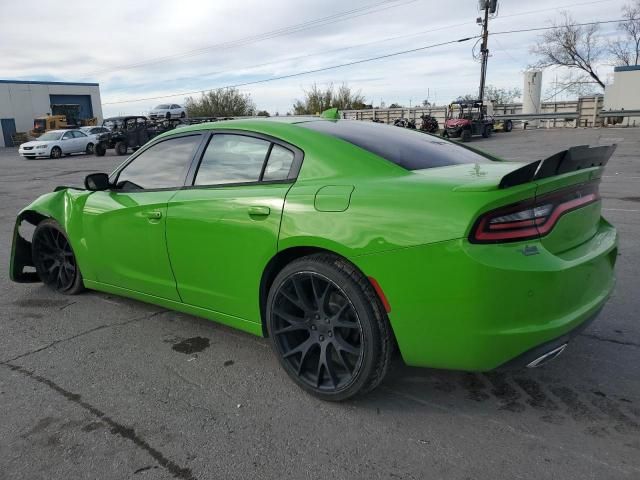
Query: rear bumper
{"type": "Point", "coordinates": [476, 307]}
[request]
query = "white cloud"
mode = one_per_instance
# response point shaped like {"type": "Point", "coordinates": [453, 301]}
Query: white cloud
{"type": "Point", "coordinates": [79, 40]}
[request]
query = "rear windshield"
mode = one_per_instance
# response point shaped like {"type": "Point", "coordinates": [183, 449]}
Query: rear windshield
{"type": "Point", "coordinates": [407, 148]}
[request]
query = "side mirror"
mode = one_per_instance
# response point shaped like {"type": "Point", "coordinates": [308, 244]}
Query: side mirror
{"type": "Point", "coordinates": [96, 182]}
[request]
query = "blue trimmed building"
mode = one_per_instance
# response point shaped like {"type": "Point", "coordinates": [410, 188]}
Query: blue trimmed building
{"type": "Point", "coordinates": [21, 101]}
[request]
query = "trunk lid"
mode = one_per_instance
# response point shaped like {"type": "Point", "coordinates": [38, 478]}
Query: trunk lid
{"type": "Point", "coordinates": [580, 224]}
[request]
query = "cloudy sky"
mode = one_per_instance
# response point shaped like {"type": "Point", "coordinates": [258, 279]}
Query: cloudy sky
{"type": "Point", "coordinates": [141, 49]}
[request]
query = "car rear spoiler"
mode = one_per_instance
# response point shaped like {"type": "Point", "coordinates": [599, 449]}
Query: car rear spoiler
{"type": "Point", "coordinates": [570, 160]}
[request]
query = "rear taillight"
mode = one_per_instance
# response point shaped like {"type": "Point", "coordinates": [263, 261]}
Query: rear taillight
{"type": "Point", "coordinates": [531, 218]}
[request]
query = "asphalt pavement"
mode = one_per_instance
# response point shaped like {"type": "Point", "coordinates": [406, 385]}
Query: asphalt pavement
{"type": "Point", "coordinates": [101, 387]}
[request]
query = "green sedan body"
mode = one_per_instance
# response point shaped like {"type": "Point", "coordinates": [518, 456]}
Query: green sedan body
{"type": "Point", "coordinates": [472, 267]}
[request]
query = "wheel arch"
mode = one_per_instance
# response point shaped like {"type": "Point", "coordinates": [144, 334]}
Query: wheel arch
{"type": "Point", "coordinates": [286, 256]}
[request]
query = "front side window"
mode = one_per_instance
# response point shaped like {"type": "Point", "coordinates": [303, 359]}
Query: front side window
{"type": "Point", "coordinates": [232, 159]}
{"type": "Point", "coordinates": [163, 165]}
{"type": "Point", "coordinates": [67, 135]}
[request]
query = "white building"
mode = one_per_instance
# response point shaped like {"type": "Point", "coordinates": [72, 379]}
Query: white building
{"type": "Point", "coordinates": [624, 92]}
{"type": "Point", "coordinates": [22, 101]}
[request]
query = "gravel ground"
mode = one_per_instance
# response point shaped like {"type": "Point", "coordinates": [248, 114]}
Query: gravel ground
{"type": "Point", "coordinates": [97, 386]}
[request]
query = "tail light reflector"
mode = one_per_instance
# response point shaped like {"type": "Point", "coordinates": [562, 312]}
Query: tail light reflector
{"type": "Point", "coordinates": [531, 218]}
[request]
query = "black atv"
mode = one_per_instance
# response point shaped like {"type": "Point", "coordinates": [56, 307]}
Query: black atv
{"type": "Point", "coordinates": [124, 133]}
{"type": "Point", "coordinates": [429, 124]}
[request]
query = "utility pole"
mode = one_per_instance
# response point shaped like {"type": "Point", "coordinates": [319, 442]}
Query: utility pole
{"type": "Point", "coordinates": [489, 6]}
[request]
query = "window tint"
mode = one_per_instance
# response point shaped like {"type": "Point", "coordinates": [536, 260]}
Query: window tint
{"type": "Point", "coordinates": [79, 134]}
{"type": "Point", "coordinates": [163, 165]}
{"type": "Point", "coordinates": [409, 149]}
{"type": "Point", "coordinates": [232, 159]}
{"type": "Point", "coordinates": [67, 135]}
{"type": "Point", "coordinates": [279, 164]}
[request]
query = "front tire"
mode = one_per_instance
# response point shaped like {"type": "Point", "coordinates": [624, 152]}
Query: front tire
{"type": "Point", "coordinates": [100, 150]}
{"type": "Point", "coordinates": [56, 152]}
{"type": "Point", "coordinates": [328, 327]}
{"type": "Point", "coordinates": [54, 259]}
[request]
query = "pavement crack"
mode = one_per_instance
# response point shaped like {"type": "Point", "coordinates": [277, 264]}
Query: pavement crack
{"type": "Point", "coordinates": [86, 332]}
{"type": "Point", "coordinates": [117, 428]}
{"type": "Point", "coordinates": [610, 340]}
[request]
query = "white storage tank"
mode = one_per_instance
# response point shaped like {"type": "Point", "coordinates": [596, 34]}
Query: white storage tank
{"type": "Point", "coordinates": [531, 94]}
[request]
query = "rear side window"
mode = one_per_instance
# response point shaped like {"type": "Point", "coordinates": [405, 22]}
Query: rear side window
{"type": "Point", "coordinates": [163, 165]}
{"type": "Point", "coordinates": [407, 148]}
{"type": "Point", "coordinates": [279, 164]}
{"type": "Point", "coordinates": [232, 159]}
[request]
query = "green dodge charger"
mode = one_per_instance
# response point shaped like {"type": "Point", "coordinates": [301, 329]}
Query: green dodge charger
{"type": "Point", "coordinates": [340, 241]}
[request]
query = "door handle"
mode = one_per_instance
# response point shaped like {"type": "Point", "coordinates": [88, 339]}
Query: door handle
{"type": "Point", "coordinates": [259, 211]}
{"type": "Point", "coordinates": [154, 215]}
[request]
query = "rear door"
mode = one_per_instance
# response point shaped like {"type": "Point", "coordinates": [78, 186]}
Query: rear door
{"type": "Point", "coordinates": [223, 230]}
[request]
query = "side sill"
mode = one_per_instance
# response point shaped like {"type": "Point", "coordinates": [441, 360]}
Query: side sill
{"type": "Point", "coordinates": [253, 328]}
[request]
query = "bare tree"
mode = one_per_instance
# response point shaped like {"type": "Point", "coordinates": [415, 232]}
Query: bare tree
{"type": "Point", "coordinates": [572, 46]}
{"type": "Point", "coordinates": [495, 94]}
{"type": "Point", "coordinates": [316, 100]}
{"type": "Point", "coordinates": [222, 102]}
{"type": "Point", "coordinates": [626, 50]}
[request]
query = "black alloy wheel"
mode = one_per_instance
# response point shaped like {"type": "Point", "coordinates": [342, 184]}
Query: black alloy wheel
{"type": "Point", "coordinates": [54, 259]}
{"type": "Point", "coordinates": [327, 327]}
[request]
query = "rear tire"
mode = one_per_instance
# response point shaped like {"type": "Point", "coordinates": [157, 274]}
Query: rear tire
{"type": "Point", "coordinates": [121, 148]}
{"type": "Point", "coordinates": [508, 126]}
{"type": "Point", "coordinates": [486, 131]}
{"type": "Point", "coordinates": [89, 149]}
{"type": "Point", "coordinates": [54, 259]}
{"type": "Point", "coordinates": [168, 116]}
{"type": "Point", "coordinates": [465, 136]}
{"type": "Point", "coordinates": [183, 114]}
{"type": "Point", "coordinates": [328, 328]}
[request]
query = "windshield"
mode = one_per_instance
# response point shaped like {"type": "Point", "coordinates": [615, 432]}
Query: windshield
{"type": "Point", "coordinates": [50, 136]}
{"type": "Point", "coordinates": [162, 107]}
{"type": "Point", "coordinates": [409, 149]}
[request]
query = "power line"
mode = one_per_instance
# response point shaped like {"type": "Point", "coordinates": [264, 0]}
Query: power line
{"type": "Point", "coordinates": [298, 74]}
{"type": "Point", "coordinates": [536, 29]}
{"type": "Point", "coordinates": [337, 17]}
{"type": "Point", "coordinates": [387, 39]}
{"type": "Point", "coordinates": [356, 62]}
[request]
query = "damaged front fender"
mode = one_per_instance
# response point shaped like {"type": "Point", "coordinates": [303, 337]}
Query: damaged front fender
{"type": "Point", "coordinates": [58, 205]}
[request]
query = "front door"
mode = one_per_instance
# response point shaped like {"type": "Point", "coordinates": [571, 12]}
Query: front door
{"type": "Point", "coordinates": [222, 231]}
{"type": "Point", "coordinates": [125, 226]}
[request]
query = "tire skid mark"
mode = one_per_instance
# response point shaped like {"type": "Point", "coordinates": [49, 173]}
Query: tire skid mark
{"type": "Point", "coordinates": [537, 398]}
{"type": "Point", "coordinates": [117, 428]}
{"type": "Point", "coordinates": [612, 410]}
{"type": "Point", "coordinates": [575, 407]}
{"type": "Point", "coordinates": [505, 392]}
{"type": "Point", "coordinates": [475, 387]}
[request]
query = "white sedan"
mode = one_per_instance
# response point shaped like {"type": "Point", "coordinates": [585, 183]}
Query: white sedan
{"type": "Point", "coordinates": [55, 143]}
{"type": "Point", "coordinates": [167, 110]}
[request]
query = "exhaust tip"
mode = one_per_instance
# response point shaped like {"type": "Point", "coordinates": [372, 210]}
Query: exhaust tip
{"type": "Point", "coordinates": [547, 357]}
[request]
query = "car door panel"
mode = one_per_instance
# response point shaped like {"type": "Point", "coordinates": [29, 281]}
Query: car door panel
{"type": "Point", "coordinates": [127, 224]}
{"type": "Point", "coordinates": [128, 229]}
{"type": "Point", "coordinates": [219, 242]}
